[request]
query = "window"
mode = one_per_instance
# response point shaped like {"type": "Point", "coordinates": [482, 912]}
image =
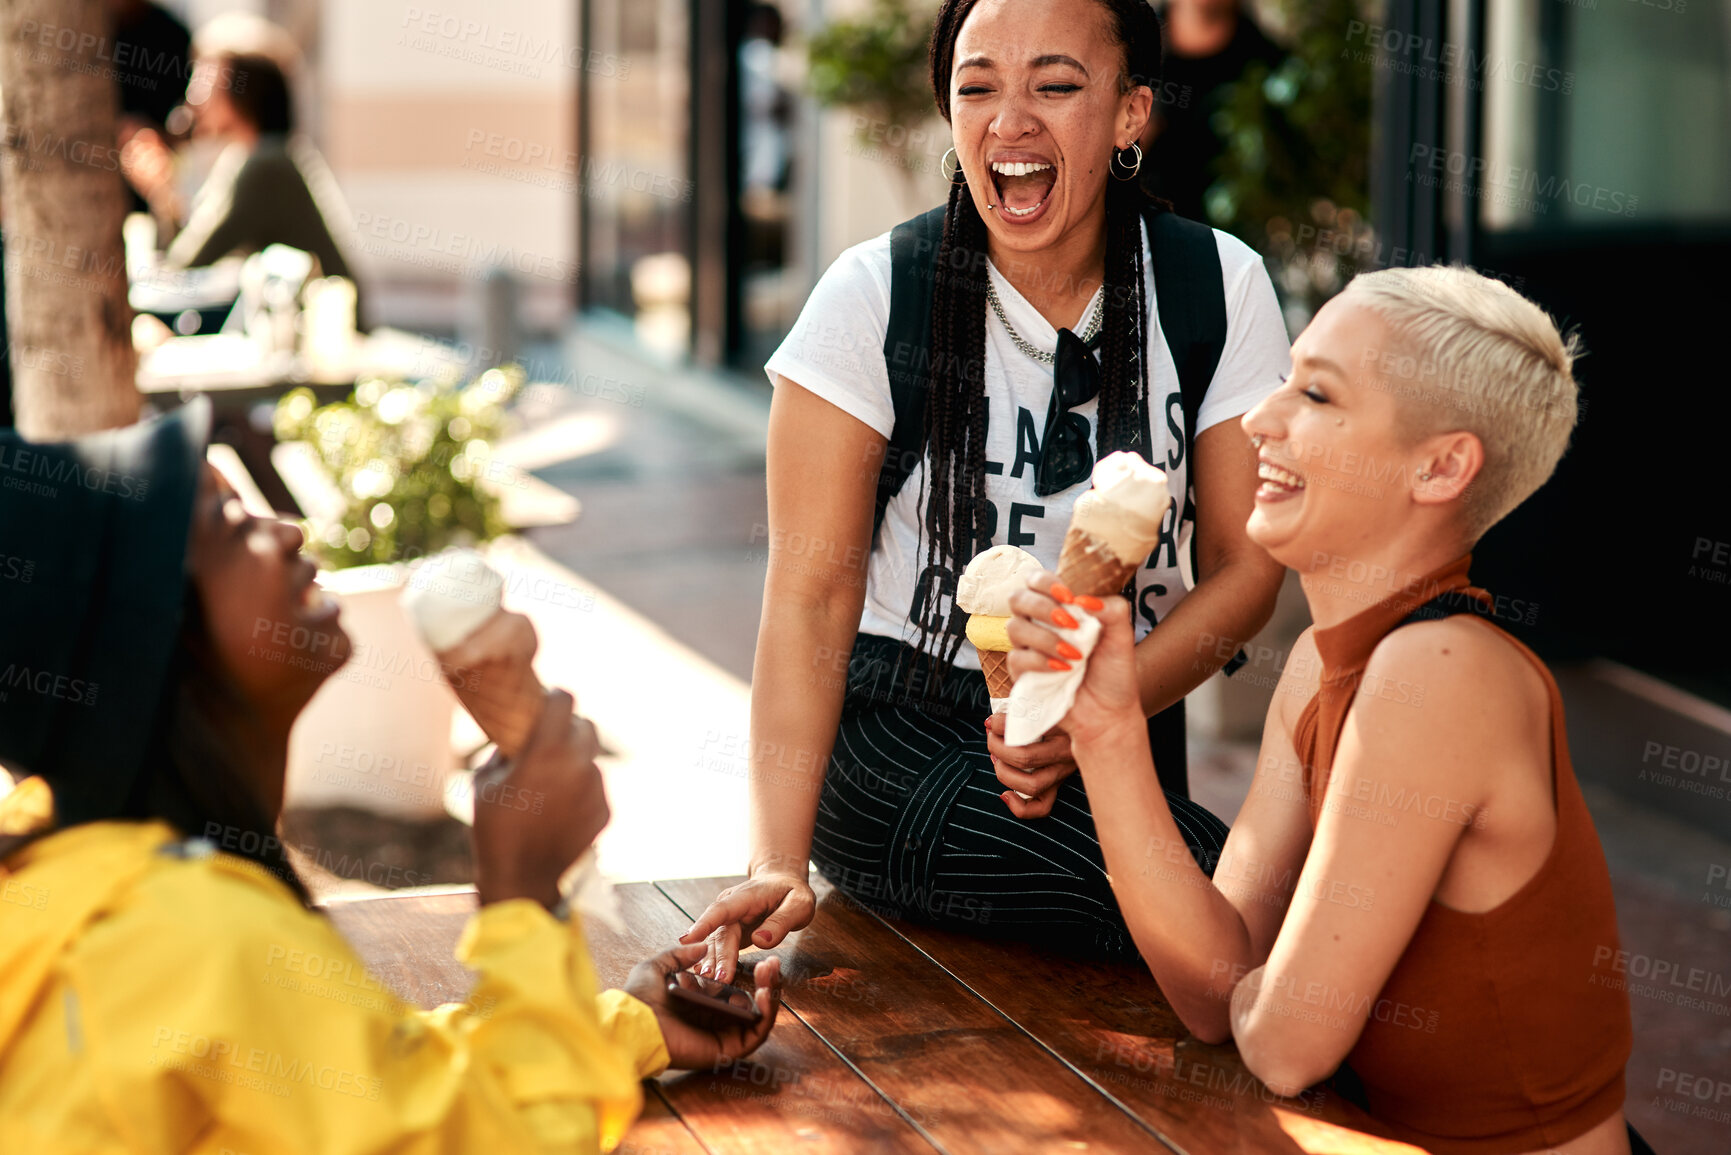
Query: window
{"type": "Point", "coordinates": [635, 191]}
{"type": "Point", "coordinates": [1601, 113]}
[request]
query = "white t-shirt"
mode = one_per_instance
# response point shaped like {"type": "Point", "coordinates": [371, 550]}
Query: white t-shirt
{"type": "Point", "coordinates": [835, 350]}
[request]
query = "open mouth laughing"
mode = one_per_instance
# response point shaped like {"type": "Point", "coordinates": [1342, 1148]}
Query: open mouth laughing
{"type": "Point", "coordinates": [1024, 184]}
{"type": "Point", "coordinates": [1278, 483]}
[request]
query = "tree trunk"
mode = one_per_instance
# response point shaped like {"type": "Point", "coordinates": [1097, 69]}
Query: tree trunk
{"type": "Point", "coordinates": [61, 203]}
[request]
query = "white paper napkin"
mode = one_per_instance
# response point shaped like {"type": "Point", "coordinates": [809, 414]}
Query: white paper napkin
{"type": "Point", "coordinates": [1040, 699]}
{"type": "Point", "coordinates": [587, 891]}
{"type": "Point", "coordinates": [1002, 706]}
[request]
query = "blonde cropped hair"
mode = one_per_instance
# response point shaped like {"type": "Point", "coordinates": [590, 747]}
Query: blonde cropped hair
{"type": "Point", "coordinates": [1472, 354]}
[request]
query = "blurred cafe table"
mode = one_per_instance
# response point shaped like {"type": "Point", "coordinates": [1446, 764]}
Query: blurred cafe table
{"type": "Point", "coordinates": [233, 367]}
{"type": "Point", "coordinates": [898, 1037]}
{"type": "Point", "coordinates": [243, 380]}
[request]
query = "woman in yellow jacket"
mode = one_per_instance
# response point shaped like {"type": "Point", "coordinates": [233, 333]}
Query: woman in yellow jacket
{"type": "Point", "coordinates": [156, 644]}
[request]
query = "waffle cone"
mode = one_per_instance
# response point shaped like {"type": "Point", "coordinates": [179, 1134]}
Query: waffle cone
{"type": "Point", "coordinates": [995, 664]}
{"type": "Point", "coordinates": [504, 704]}
{"type": "Point", "coordinates": [1091, 569]}
{"type": "Point", "coordinates": [492, 672]}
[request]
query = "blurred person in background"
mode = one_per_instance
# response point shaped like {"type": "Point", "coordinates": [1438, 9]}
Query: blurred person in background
{"type": "Point", "coordinates": [1209, 45]}
{"type": "Point", "coordinates": [268, 184]}
{"type": "Point", "coordinates": [164, 983]}
{"type": "Point", "coordinates": [766, 108]}
{"type": "Point", "coordinates": [160, 50]}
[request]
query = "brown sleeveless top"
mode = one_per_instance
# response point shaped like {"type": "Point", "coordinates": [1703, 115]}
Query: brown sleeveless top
{"type": "Point", "coordinates": [1500, 1031]}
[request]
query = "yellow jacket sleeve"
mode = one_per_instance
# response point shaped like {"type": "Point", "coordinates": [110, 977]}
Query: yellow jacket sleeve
{"type": "Point", "coordinates": [214, 1012]}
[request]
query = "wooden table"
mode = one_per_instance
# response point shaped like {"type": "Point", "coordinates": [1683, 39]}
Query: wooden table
{"type": "Point", "coordinates": [897, 1037]}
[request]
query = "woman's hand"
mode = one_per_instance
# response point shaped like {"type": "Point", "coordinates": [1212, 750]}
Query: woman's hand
{"type": "Point", "coordinates": [146, 161]}
{"type": "Point", "coordinates": [534, 817]}
{"type": "Point", "coordinates": [492, 670]}
{"type": "Point", "coordinates": [1034, 770]}
{"type": "Point", "coordinates": [692, 1048]}
{"type": "Point", "coordinates": [768, 906]}
{"type": "Point", "coordinates": [1110, 696]}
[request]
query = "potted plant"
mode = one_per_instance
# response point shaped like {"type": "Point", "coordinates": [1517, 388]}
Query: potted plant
{"type": "Point", "coordinates": [877, 67]}
{"type": "Point", "coordinates": [397, 472]}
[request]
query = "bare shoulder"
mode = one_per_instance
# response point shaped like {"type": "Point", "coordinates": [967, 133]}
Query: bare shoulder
{"type": "Point", "coordinates": [1459, 646]}
{"type": "Point", "coordinates": [1456, 677]}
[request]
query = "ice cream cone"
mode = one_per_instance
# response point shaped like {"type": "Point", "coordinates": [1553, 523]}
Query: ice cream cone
{"type": "Point", "coordinates": [1088, 566]}
{"type": "Point", "coordinates": [995, 664]}
{"type": "Point", "coordinates": [1113, 528]}
{"type": "Point", "coordinates": [495, 682]}
{"type": "Point", "coordinates": [984, 594]}
{"type": "Point", "coordinates": [484, 652]}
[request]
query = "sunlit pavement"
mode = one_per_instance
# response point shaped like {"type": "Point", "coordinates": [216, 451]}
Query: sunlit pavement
{"type": "Point", "coordinates": [669, 471]}
{"type": "Point", "coordinates": [672, 722]}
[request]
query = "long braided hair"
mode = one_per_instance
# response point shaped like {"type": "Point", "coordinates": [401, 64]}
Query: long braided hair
{"type": "Point", "coordinates": [958, 516]}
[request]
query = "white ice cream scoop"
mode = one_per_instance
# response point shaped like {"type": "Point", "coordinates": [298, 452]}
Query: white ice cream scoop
{"type": "Point", "coordinates": [1125, 507]}
{"type": "Point", "coordinates": [991, 577]}
{"type": "Point", "coordinates": [451, 595]}
{"type": "Point", "coordinates": [453, 599]}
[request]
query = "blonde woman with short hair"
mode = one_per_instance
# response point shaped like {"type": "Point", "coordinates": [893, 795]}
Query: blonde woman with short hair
{"type": "Point", "coordinates": [1414, 886]}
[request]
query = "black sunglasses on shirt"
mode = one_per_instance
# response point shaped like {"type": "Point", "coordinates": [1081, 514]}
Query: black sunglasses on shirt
{"type": "Point", "coordinates": [1066, 458]}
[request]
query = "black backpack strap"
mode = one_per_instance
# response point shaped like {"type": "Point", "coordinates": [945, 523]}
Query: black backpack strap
{"type": "Point", "coordinates": [1194, 320]}
{"type": "Point", "coordinates": [1446, 605]}
{"type": "Point", "coordinates": [907, 349]}
{"type": "Point", "coordinates": [1190, 292]}
{"type": "Point", "coordinates": [1194, 324]}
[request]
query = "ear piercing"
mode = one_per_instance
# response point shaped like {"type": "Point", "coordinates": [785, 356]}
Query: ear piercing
{"type": "Point", "coordinates": [1426, 475]}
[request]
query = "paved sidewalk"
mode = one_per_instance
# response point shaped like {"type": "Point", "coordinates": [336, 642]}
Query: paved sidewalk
{"type": "Point", "coordinates": [673, 723]}
{"type": "Point", "coordinates": [674, 504]}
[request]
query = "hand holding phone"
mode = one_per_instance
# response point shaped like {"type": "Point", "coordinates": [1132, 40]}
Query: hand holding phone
{"type": "Point", "coordinates": [680, 999]}
{"type": "Point", "coordinates": [709, 1004]}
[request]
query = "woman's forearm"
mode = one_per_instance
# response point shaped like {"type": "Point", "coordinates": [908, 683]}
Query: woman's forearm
{"type": "Point", "coordinates": [1191, 936]}
{"type": "Point", "coordinates": [798, 680]}
{"type": "Point", "coordinates": [1225, 610]}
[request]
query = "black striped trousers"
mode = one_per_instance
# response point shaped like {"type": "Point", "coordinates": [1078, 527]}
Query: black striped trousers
{"type": "Point", "coordinates": [910, 822]}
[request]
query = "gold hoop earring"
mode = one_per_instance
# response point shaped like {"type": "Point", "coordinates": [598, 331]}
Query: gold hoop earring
{"type": "Point", "coordinates": [1113, 164]}
{"type": "Point", "coordinates": [950, 173]}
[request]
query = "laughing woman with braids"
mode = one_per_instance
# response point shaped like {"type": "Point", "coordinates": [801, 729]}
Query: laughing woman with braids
{"type": "Point", "coordinates": [871, 751]}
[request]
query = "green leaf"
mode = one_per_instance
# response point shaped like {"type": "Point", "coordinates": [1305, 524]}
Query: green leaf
{"type": "Point", "coordinates": [404, 462]}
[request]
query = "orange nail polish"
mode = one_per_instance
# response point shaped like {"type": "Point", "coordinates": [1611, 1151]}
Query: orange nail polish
{"type": "Point", "coordinates": [1066, 650]}
{"type": "Point", "coordinates": [1092, 604]}
{"type": "Point", "coordinates": [1063, 620]}
{"type": "Point", "coordinates": [1061, 593]}
{"type": "Point", "coordinates": [1057, 665]}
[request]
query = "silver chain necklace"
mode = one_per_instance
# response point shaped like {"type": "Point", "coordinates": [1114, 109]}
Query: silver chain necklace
{"type": "Point", "coordinates": [1038, 354]}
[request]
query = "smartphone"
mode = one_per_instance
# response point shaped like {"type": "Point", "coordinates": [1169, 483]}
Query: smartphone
{"type": "Point", "coordinates": [710, 1004]}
